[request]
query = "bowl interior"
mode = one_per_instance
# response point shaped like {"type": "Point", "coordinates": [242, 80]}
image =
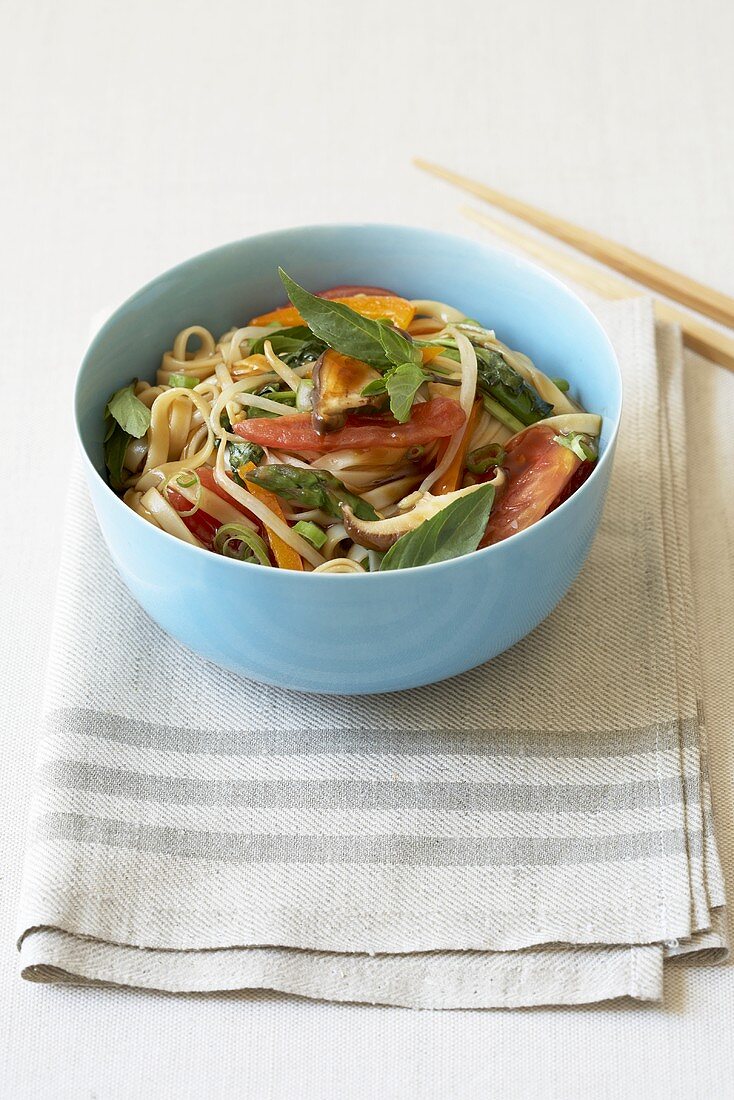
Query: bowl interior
{"type": "Point", "coordinates": [529, 309]}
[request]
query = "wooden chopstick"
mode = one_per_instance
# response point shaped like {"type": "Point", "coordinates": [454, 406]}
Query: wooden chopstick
{"type": "Point", "coordinates": [698, 296]}
{"type": "Point", "coordinates": [697, 336]}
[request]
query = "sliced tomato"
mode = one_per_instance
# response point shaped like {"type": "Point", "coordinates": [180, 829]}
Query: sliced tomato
{"type": "Point", "coordinates": [538, 470]}
{"type": "Point", "coordinates": [574, 483]}
{"type": "Point", "coordinates": [209, 481]}
{"type": "Point", "coordinates": [201, 524]}
{"type": "Point", "coordinates": [430, 420]}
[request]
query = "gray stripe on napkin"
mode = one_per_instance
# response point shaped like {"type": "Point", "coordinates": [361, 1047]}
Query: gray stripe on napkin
{"type": "Point", "coordinates": [408, 850]}
{"type": "Point", "coordinates": [328, 794]}
{"type": "Point", "coordinates": [659, 737]}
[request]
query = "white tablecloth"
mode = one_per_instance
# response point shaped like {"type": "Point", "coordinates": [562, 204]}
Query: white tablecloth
{"type": "Point", "coordinates": [136, 135]}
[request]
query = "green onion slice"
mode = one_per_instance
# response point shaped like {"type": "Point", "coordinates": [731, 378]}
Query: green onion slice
{"type": "Point", "coordinates": [583, 446]}
{"type": "Point", "coordinates": [186, 479]}
{"type": "Point", "coordinates": [483, 458]}
{"type": "Point", "coordinates": [234, 540]}
{"type": "Point", "coordinates": [304, 395]}
{"type": "Point", "coordinates": [183, 381]}
{"type": "Point", "coordinates": [311, 532]}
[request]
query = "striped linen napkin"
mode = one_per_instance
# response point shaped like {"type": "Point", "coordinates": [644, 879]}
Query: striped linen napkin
{"type": "Point", "coordinates": [536, 831]}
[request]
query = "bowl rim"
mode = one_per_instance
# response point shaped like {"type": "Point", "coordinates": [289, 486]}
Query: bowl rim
{"type": "Point", "coordinates": [519, 261]}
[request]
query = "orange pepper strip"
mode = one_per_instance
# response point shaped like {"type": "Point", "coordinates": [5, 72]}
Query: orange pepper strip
{"type": "Point", "coordinates": [452, 477]}
{"type": "Point", "coordinates": [430, 354]}
{"type": "Point", "coordinates": [285, 555]}
{"type": "Point", "coordinates": [376, 306]}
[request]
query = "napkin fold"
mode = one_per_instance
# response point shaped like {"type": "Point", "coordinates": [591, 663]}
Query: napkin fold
{"type": "Point", "coordinates": [535, 831]}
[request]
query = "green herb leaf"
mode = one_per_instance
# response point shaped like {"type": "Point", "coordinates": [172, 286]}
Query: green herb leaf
{"type": "Point", "coordinates": [583, 446]}
{"type": "Point", "coordinates": [402, 385]}
{"type": "Point", "coordinates": [452, 532]}
{"type": "Point", "coordinates": [377, 386]}
{"type": "Point", "coordinates": [348, 332]}
{"type": "Point", "coordinates": [295, 345]}
{"type": "Point", "coordinates": [312, 488]}
{"type": "Point", "coordinates": [311, 532]}
{"type": "Point", "coordinates": [114, 453]}
{"type": "Point", "coordinates": [185, 381]}
{"type": "Point", "coordinates": [129, 412]}
{"type": "Point", "coordinates": [240, 454]}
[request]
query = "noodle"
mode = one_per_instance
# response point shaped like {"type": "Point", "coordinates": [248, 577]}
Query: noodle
{"type": "Point", "coordinates": [183, 474]}
{"type": "Point", "coordinates": [467, 394]}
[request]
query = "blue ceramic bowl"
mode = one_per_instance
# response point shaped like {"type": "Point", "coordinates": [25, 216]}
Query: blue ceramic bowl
{"type": "Point", "coordinates": [362, 633]}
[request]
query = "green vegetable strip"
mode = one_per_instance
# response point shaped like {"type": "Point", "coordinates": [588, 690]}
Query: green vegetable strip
{"type": "Point", "coordinates": [310, 531]}
{"type": "Point", "coordinates": [499, 412]}
{"type": "Point", "coordinates": [499, 380]}
{"type": "Point", "coordinates": [312, 488]}
{"type": "Point", "coordinates": [183, 381]}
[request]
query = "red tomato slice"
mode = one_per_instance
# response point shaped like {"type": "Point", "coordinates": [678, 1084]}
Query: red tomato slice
{"type": "Point", "coordinates": [574, 483]}
{"type": "Point", "coordinates": [538, 470]}
{"type": "Point", "coordinates": [201, 524]}
{"type": "Point", "coordinates": [350, 291]}
{"type": "Point", "coordinates": [209, 481]}
{"type": "Point", "coordinates": [429, 421]}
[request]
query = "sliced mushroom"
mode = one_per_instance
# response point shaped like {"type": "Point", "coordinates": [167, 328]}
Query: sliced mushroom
{"type": "Point", "coordinates": [415, 509]}
{"type": "Point", "coordinates": [338, 382]}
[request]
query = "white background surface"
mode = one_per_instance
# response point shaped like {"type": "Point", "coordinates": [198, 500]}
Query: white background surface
{"type": "Point", "coordinates": [134, 135]}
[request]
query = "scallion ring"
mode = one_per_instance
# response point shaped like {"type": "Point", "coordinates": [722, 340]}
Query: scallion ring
{"type": "Point", "coordinates": [251, 547]}
{"type": "Point", "coordinates": [484, 458]}
{"type": "Point", "coordinates": [186, 479]}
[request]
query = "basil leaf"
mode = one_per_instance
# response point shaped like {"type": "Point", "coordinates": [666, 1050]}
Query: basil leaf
{"type": "Point", "coordinates": [313, 488]}
{"type": "Point", "coordinates": [402, 385]}
{"type": "Point", "coordinates": [348, 332]}
{"type": "Point", "coordinates": [397, 347]}
{"type": "Point", "coordinates": [456, 530]}
{"type": "Point", "coordinates": [295, 345]}
{"type": "Point", "coordinates": [294, 332]}
{"type": "Point", "coordinates": [129, 412]}
{"type": "Point", "coordinates": [377, 386]}
{"type": "Point", "coordinates": [114, 453]}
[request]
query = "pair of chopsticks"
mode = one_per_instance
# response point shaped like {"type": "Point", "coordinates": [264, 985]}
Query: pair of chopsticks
{"type": "Point", "coordinates": [698, 336]}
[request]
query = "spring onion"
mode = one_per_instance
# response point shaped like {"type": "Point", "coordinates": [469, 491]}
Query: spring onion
{"type": "Point", "coordinates": [183, 381]}
{"type": "Point", "coordinates": [499, 412]}
{"type": "Point", "coordinates": [310, 531]}
{"type": "Point", "coordinates": [251, 547]}
{"type": "Point", "coordinates": [483, 458]}
{"type": "Point", "coordinates": [583, 446]}
{"type": "Point", "coordinates": [304, 395]}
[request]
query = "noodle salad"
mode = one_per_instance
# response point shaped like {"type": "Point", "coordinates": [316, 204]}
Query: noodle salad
{"type": "Point", "coordinates": [350, 431]}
